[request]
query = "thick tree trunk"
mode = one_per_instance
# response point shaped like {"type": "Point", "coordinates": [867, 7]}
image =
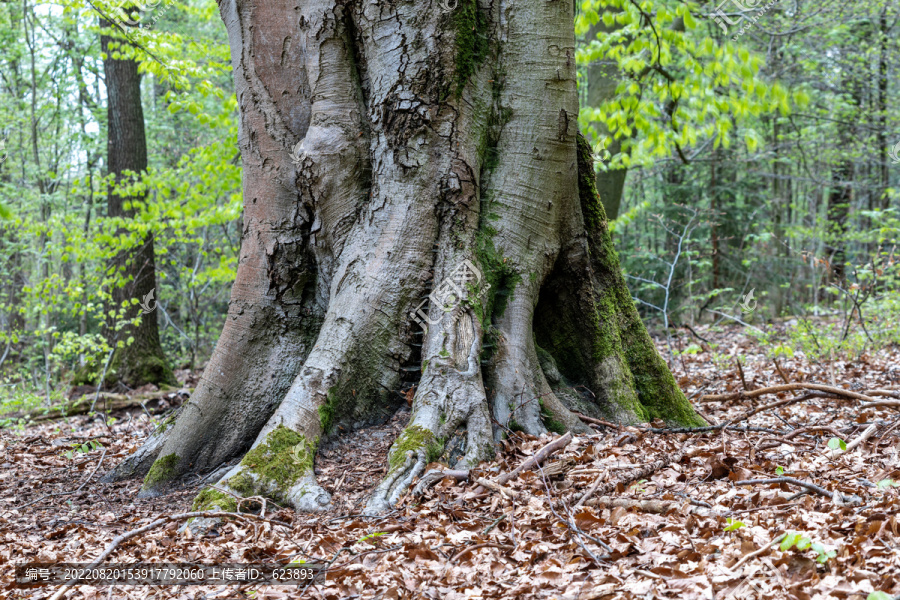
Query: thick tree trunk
{"type": "Point", "coordinates": [143, 360]}
{"type": "Point", "coordinates": [386, 146]}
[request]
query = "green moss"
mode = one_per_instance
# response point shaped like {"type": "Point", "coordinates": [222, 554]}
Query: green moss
{"type": "Point", "coordinates": [210, 499]}
{"type": "Point", "coordinates": [591, 206]}
{"type": "Point", "coordinates": [657, 389]}
{"type": "Point", "coordinates": [138, 369]}
{"type": "Point", "coordinates": [501, 276]}
{"type": "Point", "coordinates": [619, 333]}
{"type": "Point", "coordinates": [471, 41]}
{"type": "Point", "coordinates": [283, 459]}
{"type": "Point", "coordinates": [328, 410]}
{"type": "Point", "coordinates": [163, 469]}
{"type": "Point", "coordinates": [549, 422]}
{"type": "Point", "coordinates": [243, 484]}
{"type": "Point", "coordinates": [166, 424]}
{"type": "Point", "coordinates": [412, 439]}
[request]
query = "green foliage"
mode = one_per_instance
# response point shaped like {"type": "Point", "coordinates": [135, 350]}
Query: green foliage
{"type": "Point", "coordinates": [837, 444]}
{"type": "Point", "coordinates": [56, 238]}
{"type": "Point", "coordinates": [733, 525]}
{"type": "Point", "coordinates": [800, 542]}
{"type": "Point", "coordinates": [82, 448]}
{"type": "Point", "coordinates": [678, 85]}
{"type": "Point", "coordinates": [371, 536]}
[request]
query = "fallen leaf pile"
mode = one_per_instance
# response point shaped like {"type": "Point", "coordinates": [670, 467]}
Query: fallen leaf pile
{"type": "Point", "coordinates": [684, 530]}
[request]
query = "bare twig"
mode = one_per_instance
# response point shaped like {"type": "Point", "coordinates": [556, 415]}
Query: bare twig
{"type": "Point", "coordinates": [880, 403]}
{"type": "Point", "coordinates": [740, 370]}
{"type": "Point", "coordinates": [870, 430]}
{"type": "Point", "coordinates": [804, 484]}
{"type": "Point", "coordinates": [786, 388]}
{"type": "Point", "coordinates": [634, 475]}
{"type": "Point", "coordinates": [539, 457]}
{"type": "Point", "coordinates": [432, 477]}
{"type": "Point", "coordinates": [753, 555]}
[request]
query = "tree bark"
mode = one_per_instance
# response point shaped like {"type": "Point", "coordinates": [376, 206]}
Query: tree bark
{"type": "Point", "coordinates": [142, 361]}
{"type": "Point", "coordinates": [386, 147]}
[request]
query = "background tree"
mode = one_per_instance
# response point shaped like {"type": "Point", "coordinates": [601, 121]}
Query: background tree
{"type": "Point", "coordinates": [141, 361]}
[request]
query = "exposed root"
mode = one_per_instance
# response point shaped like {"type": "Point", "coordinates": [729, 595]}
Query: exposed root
{"type": "Point", "coordinates": [450, 396]}
{"type": "Point", "coordinates": [397, 481]}
{"type": "Point", "coordinates": [139, 463]}
{"type": "Point", "coordinates": [522, 397]}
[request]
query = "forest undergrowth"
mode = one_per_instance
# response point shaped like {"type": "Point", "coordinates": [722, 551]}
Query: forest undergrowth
{"type": "Point", "coordinates": [791, 493]}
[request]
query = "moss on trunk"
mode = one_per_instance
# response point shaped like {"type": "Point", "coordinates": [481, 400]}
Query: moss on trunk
{"type": "Point", "coordinates": [587, 321]}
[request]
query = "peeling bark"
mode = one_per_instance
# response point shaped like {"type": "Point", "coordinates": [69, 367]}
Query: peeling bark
{"type": "Point", "coordinates": [387, 147]}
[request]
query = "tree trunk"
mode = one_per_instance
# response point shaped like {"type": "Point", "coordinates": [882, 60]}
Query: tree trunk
{"type": "Point", "coordinates": [143, 360]}
{"type": "Point", "coordinates": [385, 146]}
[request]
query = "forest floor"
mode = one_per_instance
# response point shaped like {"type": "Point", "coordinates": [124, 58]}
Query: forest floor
{"type": "Point", "coordinates": [675, 525]}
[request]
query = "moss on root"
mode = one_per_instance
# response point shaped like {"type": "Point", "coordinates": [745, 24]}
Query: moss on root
{"type": "Point", "coordinates": [550, 422]}
{"type": "Point", "coordinates": [412, 439]}
{"type": "Point", "coordinates": [329, 410]}
{"type": "Point", "coordinates": [587, 320]}
{"type": "Point", "coordinates": [210, 499]}
{"type": "Point", "coordinates": [501, 276]}
{"type": "Point", "coordinates": [282, 460]}
{"type": "Point", "coordinates": [163, 470]}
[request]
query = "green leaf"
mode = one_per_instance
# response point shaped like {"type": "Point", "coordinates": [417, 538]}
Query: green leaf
{"type": "Point", "coordinates": [879, 596]}
{"type": "Point", "coordinates": [732, 525]}
{"type": "Point", "coordinates": [836, 443]}
{"type": "Point", "coordinates": [779, 470]}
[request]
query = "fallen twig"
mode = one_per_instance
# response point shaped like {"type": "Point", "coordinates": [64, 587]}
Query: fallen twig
{"type": "Point", "coordinates": [432, 477]}
{"type": "Point", "coordinates": [804, 484]}
{"type": "Point", "coordinates": [880, 403]}
{"type": "Point", "coordinates": [776, 389]}
{"type": "Point", "coordinates": [641, 473]}
{"type": "Point", "coordinates": [870, 430]}
{"type": "Point", "coordinates": [539, 457]}
{"type": "Point", "coordinates": [75, 491]}
{"type": "Point", "coordinates": [753, 555]}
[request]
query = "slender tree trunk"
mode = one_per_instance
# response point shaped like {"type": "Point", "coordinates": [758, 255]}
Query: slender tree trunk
{"type": "Point", "coordinates": [386, 146]}
{"type": "Point", "coordinates": [142, 361]}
